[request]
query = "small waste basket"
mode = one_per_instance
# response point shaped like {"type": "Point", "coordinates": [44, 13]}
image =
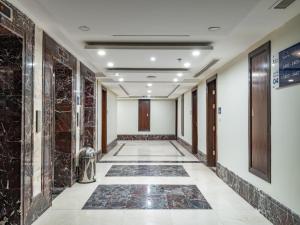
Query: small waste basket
{"type": "Point", "coordinates": [87, 165]}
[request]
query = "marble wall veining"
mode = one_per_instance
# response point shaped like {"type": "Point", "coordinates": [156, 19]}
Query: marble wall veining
{"type": "Point", "coordinates": [88, 121]}
{"type": "Point", "coordinates": [16, 198]}
{"type": "Point", "coordinates": [54, 54]}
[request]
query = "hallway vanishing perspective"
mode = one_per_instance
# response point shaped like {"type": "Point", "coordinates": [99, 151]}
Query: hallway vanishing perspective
{"type": "Point", "coordinates": [161, 112]}
{"type": "Point", "coordinates": [171, 186]}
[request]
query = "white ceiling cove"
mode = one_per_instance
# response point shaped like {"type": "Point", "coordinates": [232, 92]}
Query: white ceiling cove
{"type": "Point", "coordinates": [242, 22]}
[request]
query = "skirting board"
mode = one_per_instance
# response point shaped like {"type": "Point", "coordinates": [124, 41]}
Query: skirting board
{"type": "Point", "coordinates": [274, 211]}
{"type": "Point", "coordinates": [141, 137]}
{"type": "Point", "coordinates": [200, 155]}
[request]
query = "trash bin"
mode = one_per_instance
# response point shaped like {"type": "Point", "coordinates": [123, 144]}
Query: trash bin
{"type": "Point", "coordinates": [87, 165]}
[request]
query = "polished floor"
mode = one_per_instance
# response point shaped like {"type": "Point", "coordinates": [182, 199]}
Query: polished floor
{"type": "Point", "coordinates": [79, 205]}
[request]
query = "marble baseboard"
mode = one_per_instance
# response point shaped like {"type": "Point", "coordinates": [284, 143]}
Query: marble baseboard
{"type": "Point", "coordinates": [274, 211]}
{"type": "Point", "coordinates": [152, 137]}
{"type": "Point", "coordinates": [184, 144]}
{"type": "Point", "coordinates": [111, 145]}
{"type": "Point", "coordinates": [201, 156]}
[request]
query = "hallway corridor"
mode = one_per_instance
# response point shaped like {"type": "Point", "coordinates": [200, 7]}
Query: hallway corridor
{"type": "Point", "coordinates": [226, 207]}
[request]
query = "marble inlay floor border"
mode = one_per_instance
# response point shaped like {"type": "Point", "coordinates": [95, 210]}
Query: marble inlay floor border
{"type": "Point", "coordinates": [146, 196]}
{"type": "Point", "coordinates": [146, 161]}
{"type": "Point", "coordinates": [173, 145]}
{"type": "Point", "coordinates": [147, 171]}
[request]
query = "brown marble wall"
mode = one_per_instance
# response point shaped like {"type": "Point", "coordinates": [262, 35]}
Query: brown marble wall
{"type": "Point", "coordinates": [88, 99]}
{"type": "Point", "coordinates": [16, 192]}
{"type": "Point", "coordinates": [62, 157]}
{"type": "Point", "coordinates": [11, 47]}
{"type": "Point", "coordinates": [132, 137]}
{"type": "Point", "coordinates": [274, 211]}
{"type": "Point", "coordinates": [59, 154]}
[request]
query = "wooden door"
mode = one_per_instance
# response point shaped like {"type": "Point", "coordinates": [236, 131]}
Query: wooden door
{"type": "Point", "coordinates": [104, 122]}
{"type": "Point", "coordinates": [144, 115]}
{"type": "Point", "coordinates": [259, 112]}
{"type": "Point", "coordinates": [176, 118]}
{"type": "Point", "coordinates": [194, 122]}
{"type": "Point", "coordinates": [211, 123]}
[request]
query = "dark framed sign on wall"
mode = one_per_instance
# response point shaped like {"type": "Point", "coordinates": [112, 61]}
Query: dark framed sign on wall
{"type": "Point", "coordinates": [289, 66]}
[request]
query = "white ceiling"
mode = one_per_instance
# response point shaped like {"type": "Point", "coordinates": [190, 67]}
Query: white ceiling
{"type": "Point", "coordinates": [243, 22]}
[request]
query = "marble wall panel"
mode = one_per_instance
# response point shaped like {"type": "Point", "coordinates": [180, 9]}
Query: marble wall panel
{"type": "Point", "coordinates": [59, 114]}
{"type": "Point", "coordinates": [88, 100]}
{"type": "Point", "coordinates": [19, 201]}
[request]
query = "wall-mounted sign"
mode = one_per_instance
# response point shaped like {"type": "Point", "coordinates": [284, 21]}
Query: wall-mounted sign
{"type": "Point", "coordinates": [289, 66]}
{"type": "Point", "coordinates": [5, 11]}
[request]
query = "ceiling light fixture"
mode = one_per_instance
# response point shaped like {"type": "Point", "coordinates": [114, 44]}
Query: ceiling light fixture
{"type": "Point", "coordinates": [175, 80]}
{"type": "Point", "coordinates": [179, 74]}
{"type": "Point", "coordinates": [110, 64]}
{"type": "Point", "coordinates": [149, 91]}
{"type": "Point", "coordinates": [149, 85]}
{"type": "Point", "coordinates": [117, 74]}
{"type": "Point", "coordinates": [84, 28]}
{"type": "Point", "coordinates": [121, 79]}
{"type": "Point", "coordinates": [196, 53]}
{"type": "Point", "coordinates": [101, 52]}
{"type": "Point", "coordinates": [291, 80]}
{"type": "Point", "coordinates": [187, 65]}
{"type": "Point", "coordinates": [153, 59]}
{"type": "Point", "coordinates": [214, 28]}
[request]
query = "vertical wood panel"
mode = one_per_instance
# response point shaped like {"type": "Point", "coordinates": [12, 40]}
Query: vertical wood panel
{"type": "Point", "coordinates": [211, 123]}
{"type": "Point", "coordinates": [194, 121]}
{"type": "Point", "coordinates": [144, 115]}
{"type": "Point", "coordinates": [104, 122]}
{"type": "Point", "coordinates": [259, 112]}
{"type": "Point", "coordinates": [182, 115]}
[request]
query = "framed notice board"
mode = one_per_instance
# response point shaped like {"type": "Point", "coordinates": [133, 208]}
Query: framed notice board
{"type": "Point", "coordinates": [289, 66]}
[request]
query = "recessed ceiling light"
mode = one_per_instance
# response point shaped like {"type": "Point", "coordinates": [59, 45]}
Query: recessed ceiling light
{"type": "Point", "coordinates": [179, 74]}
{"type": "Point", "coordinates": [153, 59]}
{"type": "Point", "coordinates": [187, 65]}
{"type": "Point", "coordinates": [214, 28]}
{"type": "Point", "coordinates": [175, 80]}
{"type": "Point", "coordinates": [121, 79]}
{"type": "Point", "coordinates": [117, 74]}
{"type": "Point", "coordinates": [149, 91]}
{"type": "Point", "coordinates": [101, 52]}
{"type": "Point", "coordinates": [196, 53]}
{"type": "Point", "coordinates": [291, 80]}
{"type": "Point", "coordinates": [110, 64]}
{"type": "Point", "coordinates": [84, 28]}
{"type": "Point", "coordinates": [149, 85]}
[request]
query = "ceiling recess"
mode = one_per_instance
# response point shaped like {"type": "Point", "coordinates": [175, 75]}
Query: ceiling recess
{"type": "Point", "coordinates": [151, 35]}
{"type": "Point", "coordinates": [146, 70]}
{"type": "Point", "coordinates": [282, 4]}
{"type": "Point", "coordinates": [205, 68]}
{"type": "Point", "coordinates": [149, 45]}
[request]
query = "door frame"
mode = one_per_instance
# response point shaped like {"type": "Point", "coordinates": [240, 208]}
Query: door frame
{"type": "Point", "coordinates": [208, 151]}
{"type": "Point", "coordinates": [149, 117]}
{"type": "Point", "coordinates": [194, 121]}
{"type": "Point", "coordinates": [103, 120]}
{"type": "Point", "coordinates": [265, 176]}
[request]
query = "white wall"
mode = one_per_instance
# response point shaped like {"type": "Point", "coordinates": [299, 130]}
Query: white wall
{"type": "Point", "coordinates": [202, 117]}
{"type": "Point", "coordinates": [187, 117]}
{"type": "Point", "coordinates": [111, 117]}
{"type": "Point", "coordinates": [162, 117]}
{"type": "Point", "coordinates": [232, 96]}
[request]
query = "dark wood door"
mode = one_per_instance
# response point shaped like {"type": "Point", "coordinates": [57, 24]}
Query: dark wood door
{"type": "Point", "coordinates": [211, 125]}
{"type": "Point", "coordinates": [144, 115]}
{"type": "Point", "coordinates": [104, 122]}
{"type": "Point", "coordinates": [259, 112]}
{"type": "Point", "coordinates": [176, 118]}
{"type": "Point", "coordinates": [194, 122]}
